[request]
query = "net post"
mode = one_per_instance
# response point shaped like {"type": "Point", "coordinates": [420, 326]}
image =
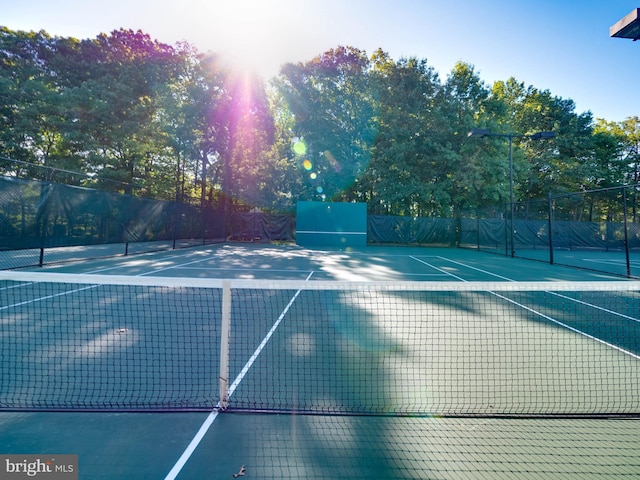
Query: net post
{"type": "Point", "coordinates": [225, 335]}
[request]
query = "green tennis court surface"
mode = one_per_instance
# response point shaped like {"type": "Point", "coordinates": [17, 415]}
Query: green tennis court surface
{"type": "Point", "coordinates": [407, 367]}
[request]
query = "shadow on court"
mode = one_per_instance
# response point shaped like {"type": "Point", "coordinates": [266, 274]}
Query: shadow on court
{"type": "Point", "coordinates": [276, 446]}
{"type": "Point", "coordinates": [146, 446]}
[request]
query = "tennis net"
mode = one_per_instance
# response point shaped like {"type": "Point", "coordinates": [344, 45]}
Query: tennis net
{"type": "Point", "coordinates": [99, 342]}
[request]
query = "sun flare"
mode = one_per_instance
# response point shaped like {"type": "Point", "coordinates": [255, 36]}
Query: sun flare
{"type": "Point", "coordinates": [256, 35]}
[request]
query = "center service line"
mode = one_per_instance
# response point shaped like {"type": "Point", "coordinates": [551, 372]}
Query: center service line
{"type": "Point", "coordinates": [212, 416]}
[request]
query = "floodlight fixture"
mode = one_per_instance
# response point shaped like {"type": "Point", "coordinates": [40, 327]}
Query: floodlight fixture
{"type": "Point", "coordinates": [627, 27]}
{"type": "Point", "coordinates": [543, 135]}
{"type": "Point", "coordinates": [479, 133]}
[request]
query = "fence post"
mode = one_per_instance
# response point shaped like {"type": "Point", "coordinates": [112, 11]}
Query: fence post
{"type": "Point", "coordinates": [626, 233]}
{"type": "Point", "coordinates": [550, 223]}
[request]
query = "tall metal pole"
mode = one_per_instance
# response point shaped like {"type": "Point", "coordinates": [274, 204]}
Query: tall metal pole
{"type": "Point", "coordinates": [513, 251]}
{"type": "Point", "coordinates": [483, 132]}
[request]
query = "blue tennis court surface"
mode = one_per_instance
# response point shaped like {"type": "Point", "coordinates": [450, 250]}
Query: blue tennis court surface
{"type": "Point", "coordinates": [475, 424]}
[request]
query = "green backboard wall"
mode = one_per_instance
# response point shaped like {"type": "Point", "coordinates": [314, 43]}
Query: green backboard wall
{"type": "Point", "coordinates": [331, 224]}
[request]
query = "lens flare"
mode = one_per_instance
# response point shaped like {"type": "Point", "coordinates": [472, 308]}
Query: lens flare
{"type": "Point", "coordinates": [307, 165]}
{"type": "Point", "coordinates": [299, 147]}
{"type": "Point", "coordinates": [332, 161]}
{"type": "Point", "coordinates": [313, 175]}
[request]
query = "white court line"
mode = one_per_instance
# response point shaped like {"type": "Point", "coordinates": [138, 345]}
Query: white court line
{"type": "Point", "coordinates": [16, 286]}
{"type": "Point", "coordinates": [477, 269]}
{"type": "Point", "coordinates": [591, 305]}
{"type": "Point", "coordinates": [234, 269]}
{"type": "Point", "coordinates": [212, 416]}
{"type": "Point", "coordinates": [614, 261]}
{"type": "Point", "coordinates": [597, 307]}
{"type": "Point", "coordinates": [34, 300]}
{"type": "Point", "coordinates": [184, 458]}
{"type": "Point", "coordinates": [436, 268]}
{"type": "Point", "coordinates": [170, 267]}
{"type": "Point", "coordinates": [264, 342]}
{"type": "Point", "coordinates": [568, 327]}
{"type": "Point", "coordinates": [76, 290]}
{"type": "Point", "coordinates": [163, 259]}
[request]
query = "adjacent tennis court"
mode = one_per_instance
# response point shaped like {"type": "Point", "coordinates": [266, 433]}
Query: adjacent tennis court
{"type": "Point", "coordinates": [284, 362]}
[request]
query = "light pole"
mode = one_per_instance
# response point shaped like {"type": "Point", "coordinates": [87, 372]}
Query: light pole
{"type": "Point", "coordinates": [483, 132]}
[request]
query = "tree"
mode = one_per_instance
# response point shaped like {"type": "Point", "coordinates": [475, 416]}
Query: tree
{"type": "Point", "coordinates": [410, 167]}
{"type": "Point", "coordinates": [331, 102]}
{"type": "Point", "coordinates": [476, 182]}
{"type": "Point", "coordinates": [539, 167]}
{"type": "Point", "coordinates": [619, 151]}
{"type": "Point", "coordinates": [126, 110]}
{"type": "Point", "coordinates": [116, 109]}
{"type": "Point", "coordinates": [250, 134]}
{"type": "Point", "coordinates": [29, 101]}
{"type": "Point", "coordinates": [197, 133]}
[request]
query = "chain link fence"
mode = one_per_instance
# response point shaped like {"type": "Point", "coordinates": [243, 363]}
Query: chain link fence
{"type": "Point", "coordinates": [597, 230]}
{"type": "Point", "coordinates": [43, 222]}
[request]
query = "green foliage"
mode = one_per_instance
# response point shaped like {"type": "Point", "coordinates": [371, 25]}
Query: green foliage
{"type": "Point", "coordinates": [623, 139]}
{"type": "Point", "coordinates": [409, 168]}
{"type": "Point", "coordinates": [330, 101]}
{"type": "Point", "coordinates": [131, 114]}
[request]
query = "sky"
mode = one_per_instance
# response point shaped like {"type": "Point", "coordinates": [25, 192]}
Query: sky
{"type": "Point", "coordinates": [562, 46]}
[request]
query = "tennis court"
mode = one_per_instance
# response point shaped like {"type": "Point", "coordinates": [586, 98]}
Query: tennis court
{"type": "Point", "coordinates": [369, 363]}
